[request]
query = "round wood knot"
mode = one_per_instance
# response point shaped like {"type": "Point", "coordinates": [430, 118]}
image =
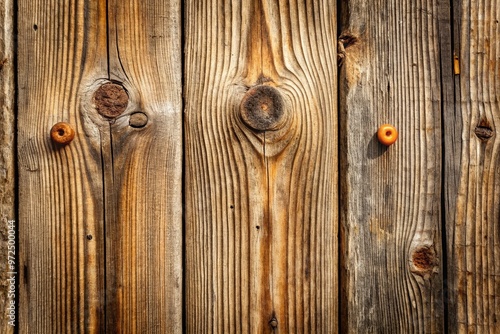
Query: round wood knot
{"type": "Point", "coordinates": [262, 108]}
{"type": "Point", "coordinates": [424, 260]}
{"type": "Point", "coordinates": [62, 133]}
{"type": "Point", "coordinates": [273, 323]}
{"type": "Point", "coordinates": [138, 119]}
{"type": "Point", "coordinates": [110, 100]}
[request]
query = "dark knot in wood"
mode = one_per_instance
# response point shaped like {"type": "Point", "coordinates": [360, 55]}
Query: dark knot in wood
{"type": "Point", "coordinates": [262, 108]}
{"type": "Point", "coordinates": [484, 131]}
{"type": "Point", "coordinates": [424, 260]}
{"type": "Point", "coordinates": [62, 133]}
{"type": "Point", "coordinates": [273, 323]}
{"type": "Point", "coordinates": [111, 100]}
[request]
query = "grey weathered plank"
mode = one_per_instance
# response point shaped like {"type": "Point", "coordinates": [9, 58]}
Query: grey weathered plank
{"type": "Point", "coordinates": [7, 163]}
{"type": "Point", "coordinates": [60, 188]}
{"type": "Point", "coordinates": [473, 229]}
{"type": "Point", "coordinates": [390, 197]}
{"type": "Point", "coordinates": [261, 206]}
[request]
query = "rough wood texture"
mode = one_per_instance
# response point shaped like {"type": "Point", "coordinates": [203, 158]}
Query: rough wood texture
{"type": "Point", "coordinates": [390, 197]}
{"type": "Point", "coordinates": [261, 176]}
{"type": "Point", "coordinates": [60, 188]}
{"type": "Point", "coordinates": [100, 218]}
{"type": "Point", "coordinates": [143, 182]}
{"type": "Point", "coordinates": [7, 163]}
{"type": "Point", "coordinates": [473, 228]}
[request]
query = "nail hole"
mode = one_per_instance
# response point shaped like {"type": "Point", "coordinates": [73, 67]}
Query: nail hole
{"type": "Point", "coordinates": [231, 206]}
{"type": "Point", "coordinates": [257, 227]}
{"type": "Point", "coordinates": [89, 236]}
{"type": "Point", "coordinates": [35, 27]}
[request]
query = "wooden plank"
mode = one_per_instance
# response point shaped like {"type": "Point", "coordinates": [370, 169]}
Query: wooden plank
{"type": "Point", "coordinates": [391, 248]}
{"type": "Point", "coordinates": [103, 214]}
{"type": "Point", "coordinates": [143, 176]}
{"type": "Point", "coordinates": [261, 166]}
{"type": "Point", "coordinates": [473, 229]}
{"type": "Point", "coordinates": [61, 48]}
{"type": "Point", "coordinates": [7, 165]}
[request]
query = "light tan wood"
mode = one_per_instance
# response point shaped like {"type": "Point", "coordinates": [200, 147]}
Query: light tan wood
{"type": "Point", "coordinates": [473, 159]}
{"type": "Point", "coordinates": [261, 206]}
{"type": "Point", "coordinates": [61, 206]}
{"type": "Point", "coordinates": [390, 215]}
{"type": "Point", "coordinates": [7, 162]}
{"type": "Point", "coordinates": [101, 217]}
{"type": "Point", "coordinates": [143, 181]}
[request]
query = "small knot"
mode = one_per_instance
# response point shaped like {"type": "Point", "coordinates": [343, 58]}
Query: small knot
{"type": "Point", "coordinates": [424, 260]}
{"type": "Point", "coordinates": [273, 323]}
{"type": "Point", "coordinates": [110, 100]}
{"type": "Point", "coordinates": [484, 131]}
{"type": "Point", "coordinates": [138, 120]}
{"type": "Point", "coordinates": [262, 108]}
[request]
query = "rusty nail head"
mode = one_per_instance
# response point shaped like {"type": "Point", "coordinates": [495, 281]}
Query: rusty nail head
{"type": "Point", "coordinates": [62, 133]}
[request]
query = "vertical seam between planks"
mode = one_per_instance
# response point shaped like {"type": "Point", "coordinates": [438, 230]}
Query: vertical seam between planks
{"type": "Point", "coordinates": [15, 31]}
{"type": "Point", "coordinates": [182, 13]}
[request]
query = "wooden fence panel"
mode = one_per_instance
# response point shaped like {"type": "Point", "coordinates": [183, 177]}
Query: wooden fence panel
{"type": "Point", "coordinates": [261, 166]}
{"type": "Point", "coordinates": [101, 222]}
{"type": "Point", "coordinates": [7, 163]}
{"type": "Point", "coordinates": [473, 229]}
{"type": "Point", "coordinates": [143, 188]}
{"type": "Point", "coordinates": [60, 187]}
{"type": "Point", "coordinates": [390, 215]}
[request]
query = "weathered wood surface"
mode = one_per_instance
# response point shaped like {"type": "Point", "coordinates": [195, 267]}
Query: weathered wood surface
{"type": "Point", "coordinates": [143, 186]}
{"type": "Point", "coordinates": [261, 205]}
{"type": "Point", "coordinates": [7, 163]}
{"type": "Point", "coordinates": [100, 218]}
{"type": "Point", "coordinates": [390, 215]}
{"type": "Point", "coordinates": [60, 188]}
{"type": "Point", "coordinates": [473, 227]}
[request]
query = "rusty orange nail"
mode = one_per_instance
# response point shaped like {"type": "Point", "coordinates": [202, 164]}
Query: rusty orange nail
{"type": "Point", "coordinates": [62, 133]}
{"type": "Point", "coordinates": [387, 134]}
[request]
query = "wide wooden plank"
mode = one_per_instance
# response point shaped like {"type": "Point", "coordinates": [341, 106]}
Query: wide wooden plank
{"type": "Point", "coordinates": [7, 167]}
{"type": "Point", "coordinates": [473, 229]}
{"type": "Point", "coordinates": [390, 215]}
{"type": "Point", "coordinates": [142, 157]}
{"type": "Point", "coordinates": [261, 166]}
{"type": "Point", "coordinates": [61, 47]}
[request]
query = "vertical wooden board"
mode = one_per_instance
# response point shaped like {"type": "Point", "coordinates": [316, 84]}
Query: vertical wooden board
{"type": "Point", "coordinates": [261, 166]}
{"type": "Point", "coordinates": [142, 157]}
{"type": "Point", "coordinates": [473, 229]}
{"type": "Point", "coordinates": [390, 197]}
{"type": "Point", "coordinates": [61, 46]}
{"type": "Point", "coordinates": [7, 163]}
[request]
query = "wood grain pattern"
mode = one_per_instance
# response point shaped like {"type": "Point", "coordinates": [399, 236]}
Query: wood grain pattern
{"type": "Point", "coordinates": [143, 181]}
{"type": "Point", "coordinates": [102, 222]}
{"type": "Point", "coordinates": [473, 228]}
{"type": "Point", "coordinates": [390, 197]}
{"type": "Point", "coordinates": [60, 188]}
{"type": "Point", "coordinates": [261, 206]}
{"type": "Point", "coordinates": [7, 156]}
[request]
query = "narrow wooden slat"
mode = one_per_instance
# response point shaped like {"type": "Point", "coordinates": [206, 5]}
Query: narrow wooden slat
{"type": "Point", "coordinates": [142, 156]}
{"type": "Point", "coordinates": [261, 188]}
{"type": "Point", "coordinates": [7, 163]}
{"type": "Point", "coordinates": [473, 229]}
{"type": "Point", "coordinates": [390, 197]}
{"type": "Point", "coordinates": [61, 47]}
